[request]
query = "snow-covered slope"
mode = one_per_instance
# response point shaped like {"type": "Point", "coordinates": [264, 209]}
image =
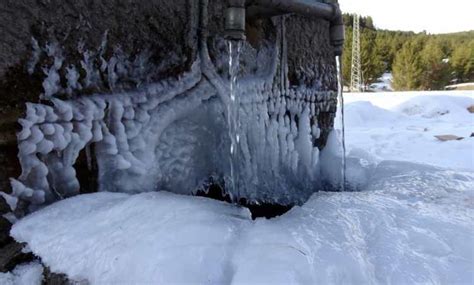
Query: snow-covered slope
{"type": "Point", "coordinates": [403, 126]}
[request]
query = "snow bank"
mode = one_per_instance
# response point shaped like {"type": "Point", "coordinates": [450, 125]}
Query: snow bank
{"type": "Point", "coordinates": [460, 86]}
{"type": "Point", "coordinates": [403, 126]}
{"type": "Point", "coordinates": [23, 274]}
{"type": "Point", "coordinates": [388, 100]}
{"type": "Point", "coordinates": [450, 108]}
{"type": "Point", "coordinates": [157, 238]}
{"type": "Point", "coordinates": [413, 224]}
{"type": "Point", "coordinates": [362, 113]}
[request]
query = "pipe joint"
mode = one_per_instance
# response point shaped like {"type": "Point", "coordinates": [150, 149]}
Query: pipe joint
{"type": "Point", "coordinates": [236, 13]}
{"type": "Point", "coordinates": [235, 23]}
{"type": "Point", "coordinates": [337, 30]}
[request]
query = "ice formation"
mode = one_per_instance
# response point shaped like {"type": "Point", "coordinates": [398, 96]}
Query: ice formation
{"type": "Point", "coordinates": [172, 135]}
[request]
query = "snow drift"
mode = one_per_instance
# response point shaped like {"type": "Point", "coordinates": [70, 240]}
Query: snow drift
{"type": "Point", "coordinates": [403, 126]}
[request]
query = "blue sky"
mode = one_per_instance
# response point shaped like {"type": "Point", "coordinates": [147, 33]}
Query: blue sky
{"type": "Point", "coordinates": [434, 16]}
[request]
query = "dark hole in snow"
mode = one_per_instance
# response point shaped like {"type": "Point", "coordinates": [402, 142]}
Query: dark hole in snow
{"type": "Point", "coordinates": [265, 210]}
{"type": "Point", "coordinates": [87, 170]}
{"type": "Point", "coordinates": [260, 210]}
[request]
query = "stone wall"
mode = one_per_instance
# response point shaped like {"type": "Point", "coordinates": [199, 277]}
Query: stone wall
{"type": "Point", "coordinates": [157, 26]}
{"type": "Point", "coordinates": [166, 29]}
{"type": "Point", "coordinates": [161, 27]}
{"type": "Point", "coordinates": [34, 32]}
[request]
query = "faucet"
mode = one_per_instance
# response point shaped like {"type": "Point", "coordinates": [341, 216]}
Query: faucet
{"type": "Point", "coordinates": [337, 30]}
{"type": "Point", "coordinates": [235, 15]}
{"type": "Point", "coordinates": [238, 10]}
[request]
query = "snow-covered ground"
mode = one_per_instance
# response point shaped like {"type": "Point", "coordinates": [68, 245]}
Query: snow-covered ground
{"type": "Point", "coordinates": [384, 83]}
{"type": "Point", "coordinates": [403, 126]}
{"type": "Point", "coordinates": [461, 86]}
{"type": "Point", "coordinates": [412, 223]}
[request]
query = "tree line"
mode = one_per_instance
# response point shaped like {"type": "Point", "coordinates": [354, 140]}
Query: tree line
{"type": "Point", "coordinates": [417, 61]}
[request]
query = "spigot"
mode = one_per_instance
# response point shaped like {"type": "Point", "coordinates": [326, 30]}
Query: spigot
{"type": "Point", "coordinates": [235, 22]}
{"type": "Point", "coordinates": [337, 31]}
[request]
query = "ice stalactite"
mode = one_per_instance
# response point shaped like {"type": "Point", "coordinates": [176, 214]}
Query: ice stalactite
{"type": "Point", "coordinates": [279, 157]}
{"type": "Point", "coordinates": [278, 150]}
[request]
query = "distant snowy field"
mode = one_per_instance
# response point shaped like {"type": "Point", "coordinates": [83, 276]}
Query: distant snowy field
{"type": "Point", "coordinates": [412, 223]}
{"type": "Point", "coordinates": [403, 126]}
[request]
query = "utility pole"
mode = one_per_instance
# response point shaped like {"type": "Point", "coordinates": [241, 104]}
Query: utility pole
{"type": "Point", "coordinates": [356, 70]}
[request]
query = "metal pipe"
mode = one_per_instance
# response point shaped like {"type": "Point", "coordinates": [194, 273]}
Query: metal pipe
{"type": "Point", "coordinates": [337, 32]}
{"type": "Point", "coordinates": [309, 8]}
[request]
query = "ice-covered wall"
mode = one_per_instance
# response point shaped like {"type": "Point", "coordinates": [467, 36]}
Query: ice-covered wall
{"type": "Point", "coordinates": [124, 128]}
{"type": "Point", "coordinates": [172, 134]}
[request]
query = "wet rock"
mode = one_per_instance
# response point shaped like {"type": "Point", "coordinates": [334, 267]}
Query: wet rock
{"type": "Point", "coordinates": [51, 278]}
{"type": "Point", "coordinates": [5, 227]}
{"type": "Point", "coordinates": [471, 109]}
{"type": "Point", "coordinates": [9, 164]}
{"type": "Point", "coordinates": [11, 255]}
{"type": "Point", "coordinates": [445, 138]}
{"type": "Point", "coordinates": [4, 207]}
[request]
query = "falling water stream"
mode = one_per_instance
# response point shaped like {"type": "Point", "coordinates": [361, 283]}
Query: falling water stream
{"type": "Point", "coordinates": [233, 116]}
{"type": "Point", "coordinates": [340, 115]}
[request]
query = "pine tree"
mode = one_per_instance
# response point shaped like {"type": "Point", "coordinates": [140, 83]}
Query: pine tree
{"type": "Point", "coordinates": [462, 62]}
{"type": "Point", "coordinates": [435, 67]}
{"type": "Point", "coordinates": [384, 50]}
{"type": "Point", "coordinates": [414, 65]}
{"type": "Point", "coordinates": [408, 67]}
{"type": "Point", "coordinates": [372, 63]}
{"type": "Point", "coordinates": [347, 57]}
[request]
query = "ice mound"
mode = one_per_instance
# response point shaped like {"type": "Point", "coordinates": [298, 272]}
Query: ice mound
{"type": "Point", "coordinates": [412, 225]}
